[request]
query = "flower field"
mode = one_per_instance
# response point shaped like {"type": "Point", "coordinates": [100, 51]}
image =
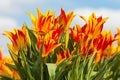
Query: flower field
{"type": "Point", "coordinates": [51, 49]}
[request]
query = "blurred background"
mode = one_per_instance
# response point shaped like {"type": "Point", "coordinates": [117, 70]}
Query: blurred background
{"type": "Point", "coordinates": [13, 13]}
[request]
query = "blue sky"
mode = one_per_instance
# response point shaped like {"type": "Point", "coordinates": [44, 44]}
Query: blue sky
{"type": "Point", "coordinates": [12, 13]}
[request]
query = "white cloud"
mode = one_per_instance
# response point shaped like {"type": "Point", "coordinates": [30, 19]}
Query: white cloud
{"type": "Point", "coordinates": [16, 6]}
{"type": "Point", "coordinates": [9, 7]}
{"type": "Point", "coordinates": [5, 24]}
{"type": "Point", "coordinates": [30, 1]}
{"type": "Point", "coordinates": [112, 22]}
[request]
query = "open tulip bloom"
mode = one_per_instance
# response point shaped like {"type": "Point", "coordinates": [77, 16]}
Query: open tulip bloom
{"type": "Point", "coordinates": [51, 49]}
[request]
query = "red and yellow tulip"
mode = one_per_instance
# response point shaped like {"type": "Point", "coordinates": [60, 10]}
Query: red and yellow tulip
{"type": "Point", "coordinates": [65, 19]}
{"type": "Point", "coordinates": [103, 43]}
{"type": "Point", "coordinates": [117, 36]}
{"type": "Point", "coordinates": [52, 34]}
{"type": "Point", "coordinates": [76, 33]}
{"type": "Point", "coordinates": [61, 56]}
{"type": "Point", "coordinates": [50, 41]}
{"type": "Point", "coordinates": [4, 69]}
{"type": "Point", "coordinates": [44, 22]}
{"type": "Point", "coordinates": [93, 26]}
{"type": "Point", "coordinates": [19, 39]}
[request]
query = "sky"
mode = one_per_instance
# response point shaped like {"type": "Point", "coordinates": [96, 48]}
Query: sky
{"type": "Point", "coordinates": [13, 13]}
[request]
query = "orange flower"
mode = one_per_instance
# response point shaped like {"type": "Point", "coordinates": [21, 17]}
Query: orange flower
{"type": "Point", "coordinates": [61, 56]}
{"type": "Point", "coordinates": [116, 49]}
{"type": "Point", "coordinates": [43, 23]}
{"type": "Point", "coordinates": [87, 33]}
{"type": "Point", "coordinates": [4, 68]}
{"type": "Point", "coordinates": [86, 45]}
{"type": "Point", "coordinates": [40, 40]}
{"type": "Point", "coordinates": [0, 54]}
{"type": "Point", "coordinates": [93, 26]}
{"type": "Point", "coordinates": [50, 41]}
{"type": "Point", "coordinates": [18, 37]}
{"type": "Point", "coordinates": [117, 36]}
{"type": "Point", "coordinates": [65, 19]}
{"type": "Point", "coordinates": [76, 33]}
{"type": "Point", "coordinates": [101, 43]}
{"type": "Point", "coordinates": [82, 38]}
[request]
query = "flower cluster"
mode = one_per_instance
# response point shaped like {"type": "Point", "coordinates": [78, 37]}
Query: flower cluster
{"type": "Point", "coordinates": [78, 52]}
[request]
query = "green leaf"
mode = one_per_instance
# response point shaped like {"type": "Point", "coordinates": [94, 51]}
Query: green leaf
{"type": "Point", "coordinates": [4, 77]}
{"type": "Point", "coordinates": [19, 67]}
{"type": "Point", "coordinates": [46, 75]}
{"type": "Point", "coordinates": [51, 69]}
{"type": "Point", "coordinates": [70, 44]}
{"type": "Point", "coordinates": [33, 40]}
{"type": "Point", "coordinates": [106, 69]}
{"type": "Point", "coordinates": [32, 36]}
{"type": "Point", "coordinates": [63, 68]}
{"type": "Point", "coordinates": [27, 66]}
